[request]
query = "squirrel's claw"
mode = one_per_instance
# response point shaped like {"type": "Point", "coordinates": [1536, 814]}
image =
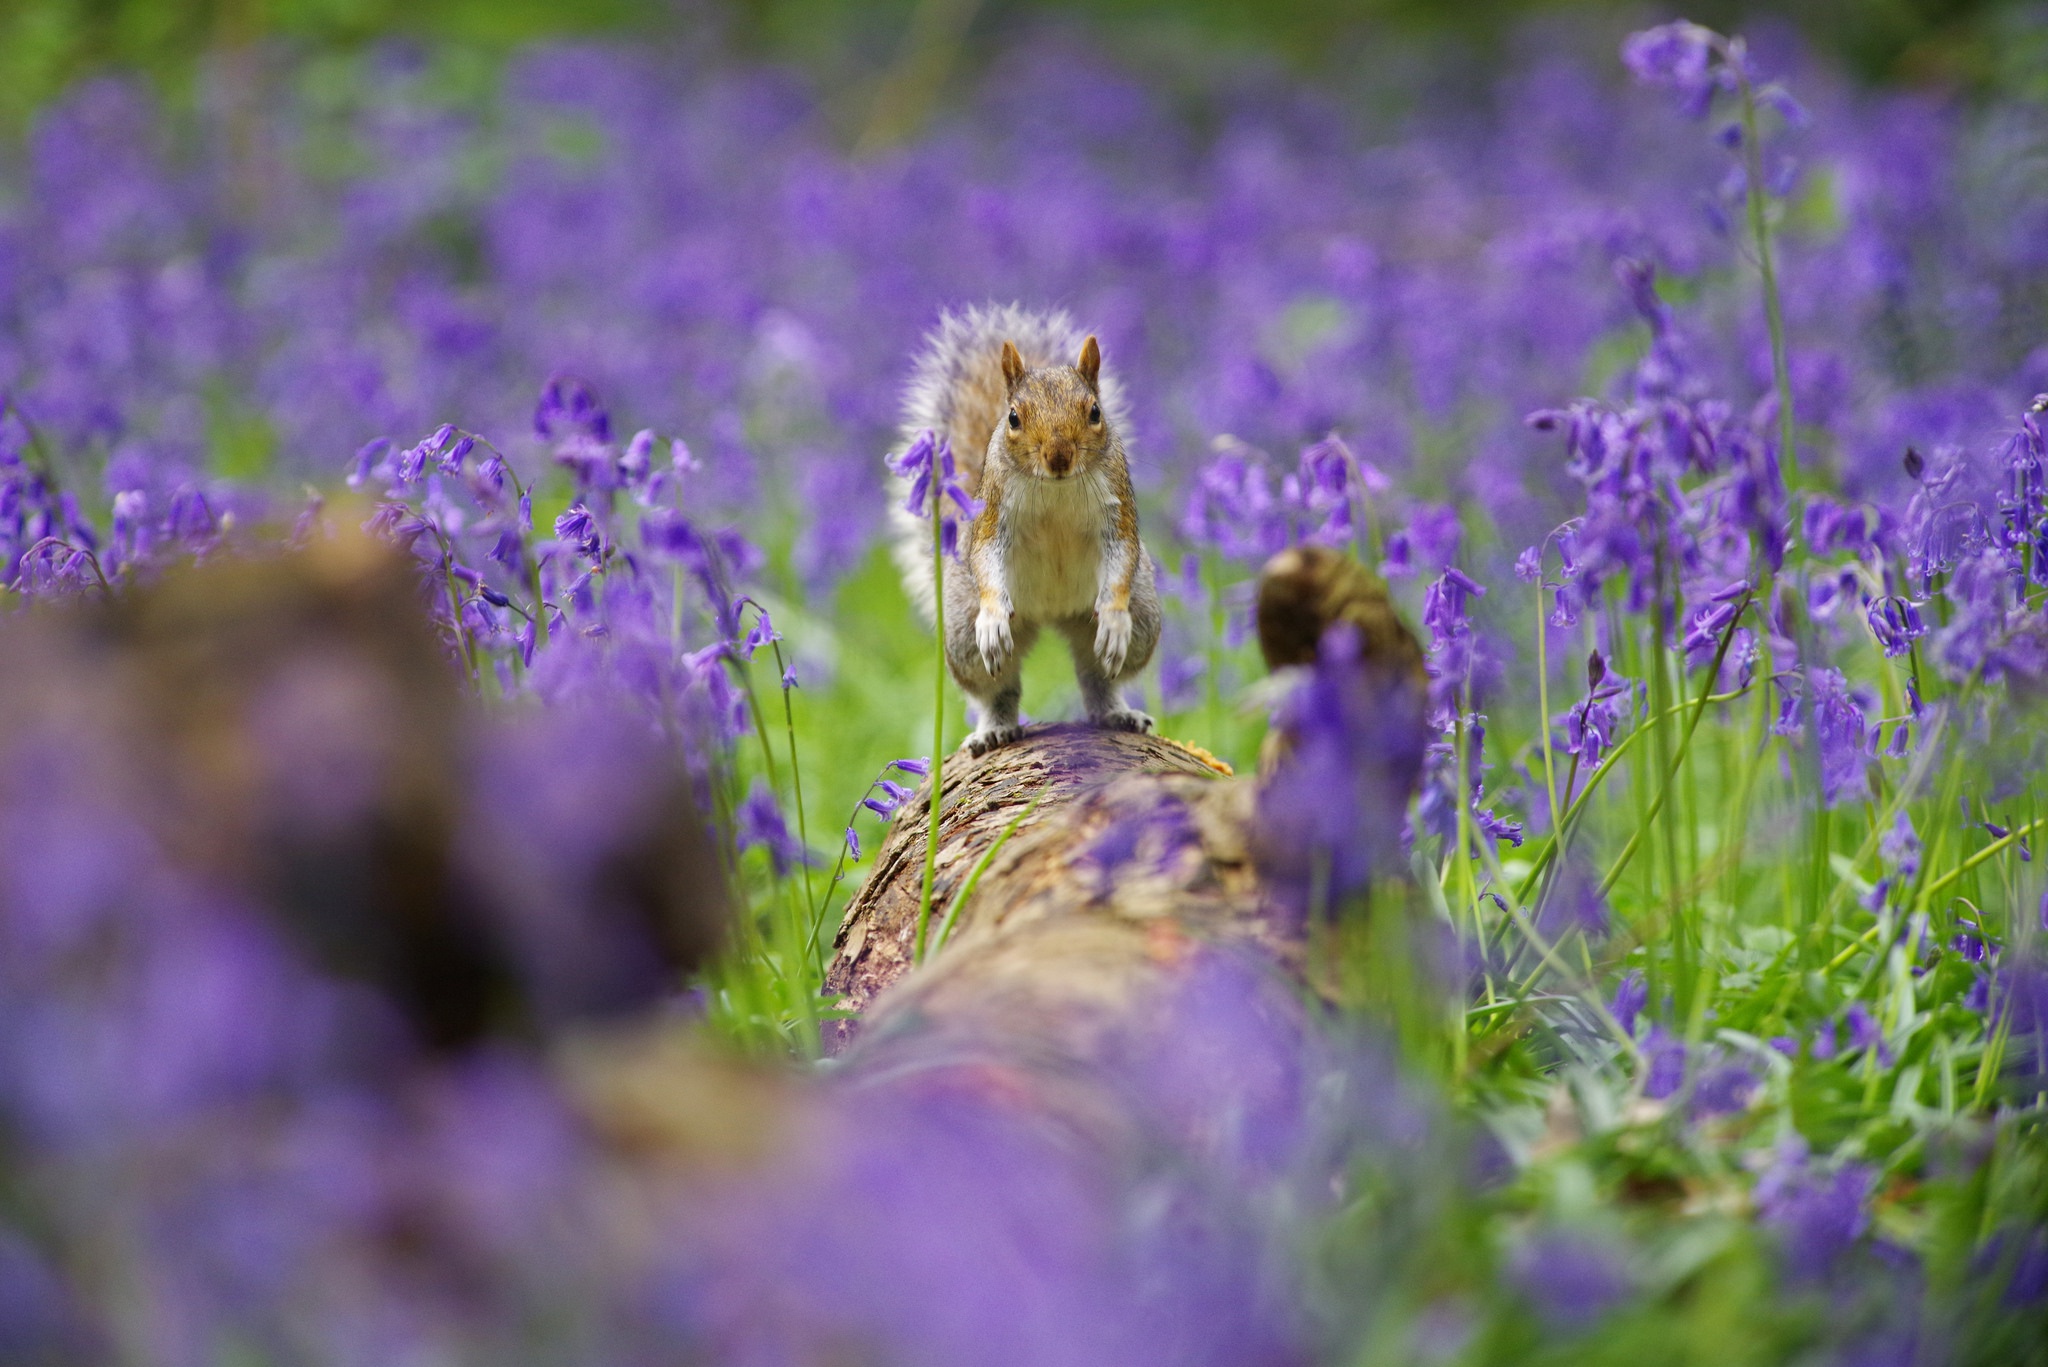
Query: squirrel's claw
{"type": "Point", "coordinates": [992, 639]}
{"type": "Point", "coordinates": [1125, 719]}
{"type": "Point", "coordinates": [991, 737]}
{"type": "Point", "coordinates": [1112, 639]}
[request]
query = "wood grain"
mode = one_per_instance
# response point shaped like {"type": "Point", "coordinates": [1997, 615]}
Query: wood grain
{"type": "Point", "coordinates": [1136, 851]}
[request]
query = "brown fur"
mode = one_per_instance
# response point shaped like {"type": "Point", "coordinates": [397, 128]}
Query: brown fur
{"type": "Point", "coordinates": [979, 401]}
{"type": "Point", "coordinates": [1056, 545]}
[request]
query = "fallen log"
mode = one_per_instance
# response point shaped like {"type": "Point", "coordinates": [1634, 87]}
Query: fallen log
{"type": "Point", "coordinates": [1134, 849]}
{"type": "Point", "coordinates": [1099, 863]}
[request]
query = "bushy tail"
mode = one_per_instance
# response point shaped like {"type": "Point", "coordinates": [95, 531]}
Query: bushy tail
{"type": "Point", "coordinates": [957, 392]}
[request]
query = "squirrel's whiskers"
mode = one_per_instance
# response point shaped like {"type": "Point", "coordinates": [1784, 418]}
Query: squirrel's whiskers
{"type": "Point", "coordinates": [1023, 399]}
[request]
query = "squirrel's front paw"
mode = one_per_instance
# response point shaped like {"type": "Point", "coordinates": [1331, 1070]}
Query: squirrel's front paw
{"type": "Point", "coordinates": [1112, 638]}
{"type": "Point", "coordinates": [992, 639]}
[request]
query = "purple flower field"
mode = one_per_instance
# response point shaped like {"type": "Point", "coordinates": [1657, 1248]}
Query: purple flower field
{"type": "Point", "coordinates": [1689, 397]}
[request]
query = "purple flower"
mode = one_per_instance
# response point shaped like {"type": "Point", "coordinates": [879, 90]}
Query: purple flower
{"type": "Point", "coordinates": [1896, 623]}
{"type": "Point", "coordinates": [1317, 496]}
{"type": "Point", "coordinates": [1443, 612]}
{"type": "Point", "coordinates": [635, 461]}
{"type": "Point", "coordinates": [1665, 1056]}
{"type": "Point", "coordinates": [1232, 509]}
{"type": "Point", "coordinates": [762, 633]}
{"type": "Point", "coordinates": [1865, 1033]}
{"type": "Point", "coordinates": [568, 408]}
{"type": "Point", "coordinates": [1824, 1041]}
{"type": "Point", "coordinates": [1678, 56]}
{"type": "Point", "coordinates": [1709, 623]}
{"type": "Point", "coordinates": [921, 768]}
{"type": "Point", "coordinates": [1723, 1089]}
{"type": "Point", "coordinates": [489, 478]}
{"type": "Point", "coordinates": [452, 458]}
{"type": "Point", "coordinates": [927, 464]}
{"type": "Point", "coordinates": [758, 823]}
{"type": "Point", "coordinates": [1631, 994]}
{"type": "Point", "coordinates": [892, 796]}
{"type": "Point", "coordinates": [1496, 827]}
{"type": "Point", "coordinates": [1818, 1215]}
{"type": "Point", "coordinates": [577, 527]}
{"type": "Point", "coordinates": [1570, 1279]}
{"type": "Point", "coordinates": [1590, 729]}
{"type": "Point", "coordinates": [1842, 734]}
{"type": "Point", "coordinates": [852, 845]}
{"type": "Point", "coordinates": [1332, 814]}
{"type": "Point", "coordinates": [1900, 846]}
{"type": "Point", "coordinates": [368, 457]}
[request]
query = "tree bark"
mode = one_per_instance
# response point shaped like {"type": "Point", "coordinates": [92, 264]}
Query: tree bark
{"type": "Point", "coordinates": [1136, 853]}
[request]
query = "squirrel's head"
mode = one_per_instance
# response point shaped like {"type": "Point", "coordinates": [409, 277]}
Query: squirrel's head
{"type": "Point", "coordinates": [1054, 426]}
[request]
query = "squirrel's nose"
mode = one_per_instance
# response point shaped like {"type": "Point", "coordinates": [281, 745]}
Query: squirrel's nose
{"type": "Point", "coordinates": [1059, 460]}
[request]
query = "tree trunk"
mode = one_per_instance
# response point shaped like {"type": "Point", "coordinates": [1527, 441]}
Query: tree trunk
{"type": "Point", "coordinates": [1135, 854]}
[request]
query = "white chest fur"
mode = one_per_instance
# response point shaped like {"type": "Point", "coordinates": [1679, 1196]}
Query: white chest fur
{"type": "Point", "coordinates": [1053, 533]}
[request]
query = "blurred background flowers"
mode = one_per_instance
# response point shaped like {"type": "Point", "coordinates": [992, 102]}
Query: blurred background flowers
{"type": "Point", "coordinates": [1684, 391]}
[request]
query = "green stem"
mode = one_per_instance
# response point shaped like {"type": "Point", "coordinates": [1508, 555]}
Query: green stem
{"type": "Point", "coordinates": [1759, 230]}
{"type": "Point", "coordinates": [974, 875]}
{"type": "Point", "coordinates": [796, 783]}
{"type": "Point", "coordinates": [1546, 856]}
{"type": "Point", "coordinates": [1684, 746]}
{"type": "Point", "coordinates": [931, 842]}
{"type": "Point", "coordinates": [1543, 702]}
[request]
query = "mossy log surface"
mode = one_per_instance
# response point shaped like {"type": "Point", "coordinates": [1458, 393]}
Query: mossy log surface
{"type": "Point", "coordinates": [1135, 855]}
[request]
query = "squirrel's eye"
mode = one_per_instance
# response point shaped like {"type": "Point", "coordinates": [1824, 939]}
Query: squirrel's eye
{"type": "Point", "coordinates": [1094, 412]}
{"type": "Point", "coordinates": [1015, 421]}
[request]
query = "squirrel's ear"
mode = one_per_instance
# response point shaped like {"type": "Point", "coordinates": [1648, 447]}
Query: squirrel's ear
{"type": "Point", "coordinates": [1091, 361]}
{"type": "Point", "coordinates": [1013, 364]}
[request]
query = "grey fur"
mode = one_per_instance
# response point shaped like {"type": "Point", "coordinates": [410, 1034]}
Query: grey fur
{"type": "Point", "coordinates": [956, 356]}
{"type": "Point", "coordinates": [956, 343]}
{"type": "Point", "coordinates": [999, 695]}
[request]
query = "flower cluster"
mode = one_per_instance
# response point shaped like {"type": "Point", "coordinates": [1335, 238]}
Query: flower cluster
{"type": "Point", "coordinates": [927, 466]}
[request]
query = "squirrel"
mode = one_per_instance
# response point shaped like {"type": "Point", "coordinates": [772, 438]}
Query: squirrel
{"type": "Point", "coordinates": [1038, 441]}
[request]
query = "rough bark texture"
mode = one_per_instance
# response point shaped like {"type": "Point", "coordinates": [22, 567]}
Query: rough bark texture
{"type": "Point", "coordinates": [1085, 923]}
{"type": "Point", "coordinates": [1136, 851]}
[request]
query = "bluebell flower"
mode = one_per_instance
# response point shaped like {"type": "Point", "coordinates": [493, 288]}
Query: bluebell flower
{"type": "Point", "coordinates": [1896, 623]}
{"type": "Point", "coordinates": [1334, 809]}
{"type": "Point", "coordinates": [1571, 1279]}
{"type": "Point", "coordinates": [579, 528]}
{"type": "Point", "coordinates": [762, 633]}
{"type": "Point", "coordinates": [758, 823]}
{"type": "Point", "coordinates": [1817, 1214]}
{"type": "Point", "coordinates": [1724, 1089]}
{"type": "Point", "coordinates": [891, 796]}
{"type": "Point", "coordinates": [928, 465]}
{"type": "Point", "coordinates": [1679, 56]}
{"type": "Point", "coordinates": [1665, 1057]}
{"type": "Point", "coordinates": [1631, 994]}
{"type": "Point", "coordinates": [567, 407]}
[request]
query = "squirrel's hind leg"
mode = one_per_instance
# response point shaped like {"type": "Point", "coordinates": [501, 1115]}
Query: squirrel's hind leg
{"type": "Point", "coordinates": [1100, 694]}
{"type": "Point", "coordinates": [997, 725]}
